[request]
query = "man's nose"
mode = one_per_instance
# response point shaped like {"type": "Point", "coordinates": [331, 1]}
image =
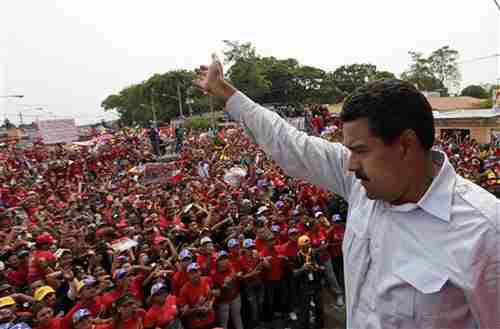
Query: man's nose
{"type": "Point", "coordinates": [353, 163]}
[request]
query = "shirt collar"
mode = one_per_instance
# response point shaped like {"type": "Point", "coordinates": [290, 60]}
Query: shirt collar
{"type": "Point", "coordinates": [437, 200]}
{"type": "Point", "coordinates": [438, 197]}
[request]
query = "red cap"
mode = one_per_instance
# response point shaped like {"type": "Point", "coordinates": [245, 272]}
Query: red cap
{"type": "Point", "coordinates": [45, 238]}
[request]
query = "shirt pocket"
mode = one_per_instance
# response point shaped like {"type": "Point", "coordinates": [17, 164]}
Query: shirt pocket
{"type": "Point", "coordinates": [427, 292]}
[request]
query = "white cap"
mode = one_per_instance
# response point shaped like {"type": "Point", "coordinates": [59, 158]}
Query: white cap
{"type": "Point", "coordinates": [205, 240]}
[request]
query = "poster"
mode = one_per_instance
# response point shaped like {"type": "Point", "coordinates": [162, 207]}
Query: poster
{"type": "Point", "coordinates": [58, 131]}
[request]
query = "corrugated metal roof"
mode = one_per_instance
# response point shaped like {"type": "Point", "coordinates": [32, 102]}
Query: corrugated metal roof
{"type": "Point", "coordinates": [467, 114]}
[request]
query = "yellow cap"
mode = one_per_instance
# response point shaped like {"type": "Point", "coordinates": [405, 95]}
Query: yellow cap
{"type": "Point", "coordinates": [43, 291]}
{"type": "Point", "coordinates": [7, 301]}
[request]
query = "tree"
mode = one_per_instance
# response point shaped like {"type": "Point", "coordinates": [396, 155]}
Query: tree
{"type": "Point", "coordinates": [420, 73]}
{"type": "Point", "coordinates": [475, 91]}
{"type": "Point", "coordinates": [237, 51]}
{"type": "Point", "coordinates": [384, 75]}
{"type": "Point", "coordinates": [136, 103]}
{"type": "Point", "coordinates": [438, 72]}
{"type": "Point", "coordinates": [444, 65]}
{"type": "Point", "coordinates": [351, 77]}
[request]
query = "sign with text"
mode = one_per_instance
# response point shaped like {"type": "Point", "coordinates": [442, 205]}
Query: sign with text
{"type": "Point", "coordinates": [159, 173]}
{"type": "Point", "coordinates": [58, 131]}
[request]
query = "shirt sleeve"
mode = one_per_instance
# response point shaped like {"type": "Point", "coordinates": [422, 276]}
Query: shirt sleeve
{"type": "Point", "coordinates": [485, 296]}
{"type": "Point", "coordinates": [313, 159]}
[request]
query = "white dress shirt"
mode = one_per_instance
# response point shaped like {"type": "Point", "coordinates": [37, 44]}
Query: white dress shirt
{"type": "Point", "coordinates": [433, 264]}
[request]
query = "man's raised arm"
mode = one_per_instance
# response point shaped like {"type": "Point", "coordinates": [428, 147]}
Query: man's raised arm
{"type": "Point", "coordinates": [310, 158]}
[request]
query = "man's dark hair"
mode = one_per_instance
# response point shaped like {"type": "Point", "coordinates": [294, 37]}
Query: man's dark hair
{"type": "Point", "coordinates": [391, 107]}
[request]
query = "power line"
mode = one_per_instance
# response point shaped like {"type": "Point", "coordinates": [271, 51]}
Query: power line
{"type": "Point", "coordinates": [477, 59]}
{"type": "Point", "coordinates": [496, 3]}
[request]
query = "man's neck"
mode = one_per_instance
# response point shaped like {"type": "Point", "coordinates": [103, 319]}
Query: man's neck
{"type": "Point", "coordinates": [421, 181]}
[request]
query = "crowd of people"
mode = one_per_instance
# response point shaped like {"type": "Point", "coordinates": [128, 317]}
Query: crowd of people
{"type": "Point", "coordinates": [229, 240]}
{"type": "Point", "coordinates": [86, 240]}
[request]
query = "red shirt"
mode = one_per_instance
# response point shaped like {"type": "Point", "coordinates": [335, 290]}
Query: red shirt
{"type": "Point", "coordinates": [161, 315]}
{"type": "Point", "coordinates": [202, 260]}
{"type": "Point", "coordinates": [259, 244]}
{"type": "Point", "coordinates": [95, 308]}
{"type": "Point", "coordinates": [277, 270]}
{"type": "Point", "coordinates": [55, 323]}
{"type": "Point", "coordinates": [336, 237]}
{"type": "Point", "coordinates": [178, 281]}
{"type": "Point", "coordinates": [134, 322]}
{"type": "Point", "coordinates": [317, 239]}
{"type": "Point", "coordinates": [289, 249]}
{"type": "Point", "coordinates": [194, 296]}
{"type": "Point", "coordinates": [35, 268]}
{"type": "Point", "coordinates": [228, 284]}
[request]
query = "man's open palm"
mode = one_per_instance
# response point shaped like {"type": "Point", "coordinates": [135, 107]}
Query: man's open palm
{"type": "Point", "coordinates": [210, 77]}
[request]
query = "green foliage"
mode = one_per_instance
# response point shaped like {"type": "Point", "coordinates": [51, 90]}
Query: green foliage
{"type": "Point", "coordinates": [197, 123]}
{"type": "Point", "coordinates": [351, 77]}
{"type": "Point", "coordinates": [135, 103]}
{"type": "Point", "coordinates": [475, 91]}
{"type": "Point", "coordinates": [438, 72]}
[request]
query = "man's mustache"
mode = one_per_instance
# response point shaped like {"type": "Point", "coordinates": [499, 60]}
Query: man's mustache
{"type": "Point", "coordinates": [361, 175]}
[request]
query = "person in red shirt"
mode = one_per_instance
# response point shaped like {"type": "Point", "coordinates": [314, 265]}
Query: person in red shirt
{"type": "Point", "coordinates": [233, 246]}
{"type": "Point", "coordinates": [290, 251]}
{"type": "Point", "coordinates": [127, 315]}
{"type": "Point", "coordinates": [318, 234]}
{"type": "Point", "coordinates": [251, 268]}
{"type": "Point", "coordinates": [196, 300]}
{"type": "Point", "coordinates": [163, 312]}
{"type": "Point", "coordinates": [227, 285]}
{"type": "Point", "coordinates": [206, 258]}
{"type": "Point", "coordinates": [274, 273]}
{"type": "Point", "coordinates": [42, 259]}
{"type": "Point", "coordinates": [88, 299]}
{"type": "Point", "coordinates": [180, 277]}
{"type": "Point", "coordinates": [44, 317]}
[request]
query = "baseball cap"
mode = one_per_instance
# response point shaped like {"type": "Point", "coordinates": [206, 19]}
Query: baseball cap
{"type": "Point", "coordinates": [81, 314]}
{"type": "Point", "coordinates": [193, 267]}
{"type": "Point", "coordinates": [261, 210]}
{"type": "Point", "coordinates": [205, 240]}
{"type": "Point", "coordinates": [248, 243]}
{"type": "Point", "coordinates": [222, 254]}
{"type": "Point", "coordinates": [336, 218]}
{"type": "Point", "coordinates": [7, 301]}
{"type": "Point", "coordinates": [157, 287]}
{"type": "Point", "coordinates": [275, 228]}
{"type": "Point", "coordinates": [20, 325]}
{"type": "Point", "coordinates": [292, 230]}
{"type": "Point", "coordinates": [87, 283]}
{"type": "Point", "coordinates": [184, 254]}
{"type": "Point", "coordinates": [318, 213]}
{"type": "Point", "coordinates": [120, 273]}
{"type": "Point", "coordinates": [43, 291]}
{"type": "Point", "coordinates": [232, 243]}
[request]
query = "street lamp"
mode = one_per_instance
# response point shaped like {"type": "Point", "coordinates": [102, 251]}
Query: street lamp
{"type": "Point", "coordinates": [11, 96]}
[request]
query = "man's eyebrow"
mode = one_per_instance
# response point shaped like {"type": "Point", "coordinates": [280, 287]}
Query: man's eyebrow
{"type": "Point", "coordinates": [357, 146]}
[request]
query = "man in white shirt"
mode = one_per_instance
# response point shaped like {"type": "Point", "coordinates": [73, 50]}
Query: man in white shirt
{"type": "Point", "coordinates": [422, 245]}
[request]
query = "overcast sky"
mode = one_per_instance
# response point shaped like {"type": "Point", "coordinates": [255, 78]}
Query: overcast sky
{"type": "Point", "coordinates": [68, 55]}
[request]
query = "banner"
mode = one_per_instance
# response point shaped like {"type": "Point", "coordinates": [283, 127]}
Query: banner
{"type": "Point", "coordinates": [123, 244]}
{"type": "Point", "coordinates": [159, 173]}
{"type": "Point", "coordinates": [57, 131]}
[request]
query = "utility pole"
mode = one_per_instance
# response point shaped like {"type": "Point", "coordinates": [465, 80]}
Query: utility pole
{"type": "Point", "coordinates": [179, 98]}
{"type": "Point", "coordinates": [153, 106]}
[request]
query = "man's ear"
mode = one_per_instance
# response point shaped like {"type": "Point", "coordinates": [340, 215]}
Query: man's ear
{"type": "Point", "coordinates": [408, 141]}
